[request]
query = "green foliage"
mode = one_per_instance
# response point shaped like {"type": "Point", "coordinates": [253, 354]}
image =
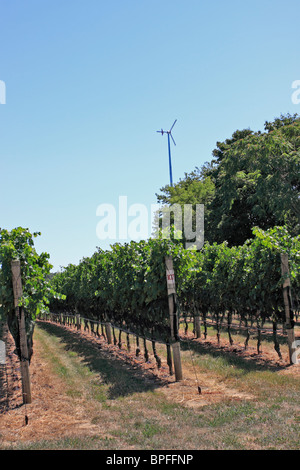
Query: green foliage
{"type": "Point", "coordinates": [258, 183]}
{"type": "Point", "coordinates": [127, 284]}
{"type": "Point", "coordinates": [252, 181]}
{"type": "Point", "coordinates": [18, 244]}
{"type": "Point", "coordinates": [196, 187]}
{"type": "Point", "coordinates": [245, 280]}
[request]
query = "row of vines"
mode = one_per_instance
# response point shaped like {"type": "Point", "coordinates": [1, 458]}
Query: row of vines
{"type": "Point", "coordinates": [127, 284]}
{"type": "Point", "coordinates": [245, 281]}
{"type": "Point", "coordinates": [18, 244]}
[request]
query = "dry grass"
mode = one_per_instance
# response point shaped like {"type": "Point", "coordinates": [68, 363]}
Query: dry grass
{"type": "Point", "coordinates": [90, 395]}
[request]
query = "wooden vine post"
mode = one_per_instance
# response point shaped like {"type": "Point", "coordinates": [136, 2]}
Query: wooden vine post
{"type": "Point", "coordinates": [108, 332]}
{"type": "Point", "coordinates": [174, 321]}
{"type": "Point", "coordinates": [24, 361]}
{"type": "Point", "coordinates": [197, 326]}
{"type": "Point", "coordinates": [78, 321]}
{"type": "Point", "coordinates": [287, 298]}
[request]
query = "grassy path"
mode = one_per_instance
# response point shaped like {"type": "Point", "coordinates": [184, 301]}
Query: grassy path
{"type": "Point", "coordinates": [87, 395]}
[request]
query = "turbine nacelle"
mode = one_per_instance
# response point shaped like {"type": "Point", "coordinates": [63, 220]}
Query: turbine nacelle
{"type": "Point", "coordinates": [162, 132]}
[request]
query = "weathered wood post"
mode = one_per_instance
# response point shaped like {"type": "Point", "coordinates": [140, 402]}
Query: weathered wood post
{"type": "Point", "coordinates": [287, 298]}
{"type": "Point", "coordinates": [78, 321]}
{"type": "Point", "coordinates": [197, 326]}
{"type": "Point", "coordinates": [108, 332]}
{"type": "Point", "coordinates": [24, 360]}
{"type": "Point", "coordinates": [174, 321]}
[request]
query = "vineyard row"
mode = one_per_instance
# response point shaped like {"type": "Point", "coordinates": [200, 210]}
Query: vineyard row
{"type": "Point", "coordinates": [127, 286]}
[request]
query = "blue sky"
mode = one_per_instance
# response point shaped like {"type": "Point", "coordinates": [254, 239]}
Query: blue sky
{"type": "Point", "coordinates": [88, 84]}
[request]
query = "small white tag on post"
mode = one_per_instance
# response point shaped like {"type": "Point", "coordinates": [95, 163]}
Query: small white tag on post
{"type": "Point", "coordinates": [170, 277]}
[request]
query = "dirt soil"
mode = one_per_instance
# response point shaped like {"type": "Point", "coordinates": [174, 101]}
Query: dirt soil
{"type": "Point", "coordinates": [52, 415]}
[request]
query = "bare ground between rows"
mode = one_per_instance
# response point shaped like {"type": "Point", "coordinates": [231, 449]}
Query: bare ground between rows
{"type": "Point", "coordinates": [52, 414]}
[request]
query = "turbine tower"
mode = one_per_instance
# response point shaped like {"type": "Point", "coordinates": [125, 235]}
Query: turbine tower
{"type": "Point", "coordinates": [169, 133]}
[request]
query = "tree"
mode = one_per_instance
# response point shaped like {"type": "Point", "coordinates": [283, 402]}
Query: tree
{"type": "Point", "coordinates": [196, 187]}
{"type": "Point", "coordinates": [253, 180]}
{"type": "Point", "coordinates": [257, 182]}
{"type": "Point", "coordinates": [35, 269]}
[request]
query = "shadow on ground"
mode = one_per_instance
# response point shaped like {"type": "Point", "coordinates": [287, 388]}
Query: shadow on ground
{"type": "Point", "coordinates": [234, 356]}
{"type": "Point", "coordinates": [123, 378]}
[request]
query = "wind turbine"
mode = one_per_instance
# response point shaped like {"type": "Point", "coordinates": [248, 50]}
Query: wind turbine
{"type": "Point", "coordinates": [162, 132]}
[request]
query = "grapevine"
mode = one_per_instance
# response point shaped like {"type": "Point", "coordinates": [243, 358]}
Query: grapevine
{"type": "Point", "coordinates": [127, 284]}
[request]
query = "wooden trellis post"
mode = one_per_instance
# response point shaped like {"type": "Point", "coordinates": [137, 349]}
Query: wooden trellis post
{"type": "Point", "coordinates": [197, 326]}
{"type": "Point", "coordinates": [78, 321]}
{"type": "Point", "coordinates": [287, 298]}
{"type": "Point", "coordinates": [174, 321]}
{"type": "Point", "coordinates": [24, 361]}
{"type": "Point", "coordinates": [108, 332]}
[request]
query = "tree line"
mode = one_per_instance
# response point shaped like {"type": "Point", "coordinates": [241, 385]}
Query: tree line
{"type": "Point", "coordinates": [253, 180]}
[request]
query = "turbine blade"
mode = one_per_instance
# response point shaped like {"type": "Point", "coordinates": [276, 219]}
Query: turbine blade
{"type": "Point", "coordinates": [173, 124]}
{"type": "Point", "coordinates": [172, 138]}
